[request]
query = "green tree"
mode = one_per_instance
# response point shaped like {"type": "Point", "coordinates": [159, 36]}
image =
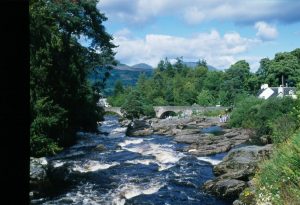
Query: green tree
{"type": "Point", "coordinates": [284, 69]}
{"type": "Point", "coordinates": [59, 66]}
{"type": "Point", "coordinates": [119, 89]}
{"type": "Point", "coordinates": [133, 105]}
{"type": "Point", "coordinates": [205, 98]}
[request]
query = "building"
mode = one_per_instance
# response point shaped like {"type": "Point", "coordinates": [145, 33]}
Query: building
{"type": "Point", "coordinates": [266, 92]}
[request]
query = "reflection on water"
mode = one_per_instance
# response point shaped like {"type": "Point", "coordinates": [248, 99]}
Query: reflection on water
{"type": "Point", "coordinates": [215, 130]}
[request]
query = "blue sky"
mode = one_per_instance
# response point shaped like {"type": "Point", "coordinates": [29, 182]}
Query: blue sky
{"type": "Point", "coordinates": [219, 31]}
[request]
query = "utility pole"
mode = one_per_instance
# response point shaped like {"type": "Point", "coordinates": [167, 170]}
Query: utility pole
{"type": "Point", "coordinates": [282, 81]}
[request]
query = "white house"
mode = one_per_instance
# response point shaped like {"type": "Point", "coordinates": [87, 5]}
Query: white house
{"type": "Point", "coordinates": [266, 92]}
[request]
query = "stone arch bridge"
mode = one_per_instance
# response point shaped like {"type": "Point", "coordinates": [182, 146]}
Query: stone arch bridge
{"type": "Point", "coordinates": [162, 111]}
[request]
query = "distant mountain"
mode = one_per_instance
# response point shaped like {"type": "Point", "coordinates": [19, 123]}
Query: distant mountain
{"type": "Point", "coordinates": [137, 67]}
{"type": "Point", "coordinates": [129, 75]}
{"type": "Point", "coordinates": [143, 66]}
{"type": "Point", "coordinates": [128, 78]}
{"type": "Point", "coordinates": [194, 64]}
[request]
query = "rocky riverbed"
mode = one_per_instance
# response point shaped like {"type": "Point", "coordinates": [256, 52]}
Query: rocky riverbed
{"type": "Point", "coordinates": [200, 133]}
{"type": "Point", "coordinates": [175, 164]}
{"type": "Point", "coordinates": [207, 136]}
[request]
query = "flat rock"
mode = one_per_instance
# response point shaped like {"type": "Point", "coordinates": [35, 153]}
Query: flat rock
{"type": "Point", "coordinates": [235, 171]}
{"type": "Point", "coordinates": [244, 159]}
{"type": "Point", "coordinates": [226, 188]}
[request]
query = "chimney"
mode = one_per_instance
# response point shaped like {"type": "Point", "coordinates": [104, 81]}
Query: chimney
{"type": "Point", "coordinates": [280, 90]}
{"type": "Point", "coordinates": [264, 86]}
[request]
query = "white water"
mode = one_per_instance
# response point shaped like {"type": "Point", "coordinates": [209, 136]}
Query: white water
{"type": "Point", "coordinates": [118, 130]}
{"type": "Point", "coordinates": [91, 166]}
{"type": "Point", "coordinates": [129, 190]}
{"type": "Point", "coordinates": [58, 163]}
{"type": "Point", "coordinates": [115, 180]}
{"type": "Point", "coordinates": [165, 157]}
{"type": "Point", "coordinates": [209, 160]}
{"type": "Point", "coordinates": [128, 142]}
{"type": "Point", "coordinates": [141, 161]}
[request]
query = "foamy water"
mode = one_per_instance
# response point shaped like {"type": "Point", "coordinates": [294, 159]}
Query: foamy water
{"type": "Point", "coordinates": [129, 190]}
{"type": "Point", "coordinates": [209, 160]}
{"type": "Point", "coordinates": [92, 166]}
{"type": "Point", "coordinates": [141, 161]}
{"type": "Point", "coordinates": [148, 170]}
{"type": "Point", "coordinates": [118, 130]}
{"type": "Point", "coordinates": [165, 156]}
{"type": "Point", "coordinates": [132, 141]}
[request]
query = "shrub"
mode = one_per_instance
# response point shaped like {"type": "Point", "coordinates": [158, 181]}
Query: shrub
{"type": "Point", "coordinates": [278, 179]}
{"type": "Point", "coordinates": [273, 117]}
{"type": "Point", "coordinates": [40, 145]}
{"type": "Point", "coordinates": [282, 128]}
{"type": "Point", "coordinates": [47, 131]}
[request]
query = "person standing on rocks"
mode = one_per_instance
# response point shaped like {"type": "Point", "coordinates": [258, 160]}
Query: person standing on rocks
{"type": "Point", "coordinates": [220, 116]}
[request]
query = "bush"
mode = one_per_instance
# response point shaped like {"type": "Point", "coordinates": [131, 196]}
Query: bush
{"type": "Point", "coordinates": [148, 110]}
{"type": "Point", "coordinates": [273, 117]}
{"type": "Point", "coordinates": [277, 180]}
{"type": "Point", "coordinates": [243, 114]}
{"type": "Point", "coordinates": [133, 106]}
{"type": "Point", "coordinates": [283, 128]}
{"type": "Point", "coordinates": [213, 113]}
{"type": "Point", "coordinates": [47, 131]}
{"type": "Point", "coordinates": [40, 145]}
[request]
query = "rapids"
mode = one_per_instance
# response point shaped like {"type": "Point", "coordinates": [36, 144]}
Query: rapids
{"type": "Point", "coordinates": [132, 170]}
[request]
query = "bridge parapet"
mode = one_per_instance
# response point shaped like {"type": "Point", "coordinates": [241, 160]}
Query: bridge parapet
{"type": "Point", "coordinates": [160, 110]}
{"type": "Point", "coordinates": [186, 110]}
{"type": "Point", "coordinates": [114, 110]}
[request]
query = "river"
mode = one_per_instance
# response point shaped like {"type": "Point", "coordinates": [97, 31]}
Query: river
{"type": "Point", "coordinates": [132, 170]}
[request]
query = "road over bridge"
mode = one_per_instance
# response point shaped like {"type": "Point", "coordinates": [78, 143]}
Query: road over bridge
{"type": "Point", "coordinates": [163, 111]}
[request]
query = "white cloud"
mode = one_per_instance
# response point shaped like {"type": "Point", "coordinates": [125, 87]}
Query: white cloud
{"type": "Point", "coordinates": [265, 31]}
{"type": "Point", "coordinates": [193, 15]}
{"type": "Point", "coordinates": [133, 11]}
{"type": "Point", "coordinates": [124, 32]}
{"type": "Point", "coordinates": [195, 11]}
{"type": "Point", "coordinates": [219, 51]}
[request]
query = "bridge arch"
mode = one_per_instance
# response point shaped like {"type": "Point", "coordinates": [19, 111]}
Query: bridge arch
{"type": "Point", "coordinates": [116, 110]}
{"type": "Point", "coordinates": [167, 113]}
{"type": "Point", "coordinates": [112, 113]}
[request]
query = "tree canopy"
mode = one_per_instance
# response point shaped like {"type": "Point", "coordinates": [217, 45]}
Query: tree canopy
{"type": "Point", "coordinates": [62, 100]}
{"type": "Point", "coordinates": [177, 84]}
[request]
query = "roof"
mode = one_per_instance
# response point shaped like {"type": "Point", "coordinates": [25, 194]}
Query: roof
{"type": "Point", "coordinates": [286, 91]}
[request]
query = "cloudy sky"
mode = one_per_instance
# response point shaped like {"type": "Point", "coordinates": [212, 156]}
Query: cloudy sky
{"type": "Point", "coordinates": [219, 31]}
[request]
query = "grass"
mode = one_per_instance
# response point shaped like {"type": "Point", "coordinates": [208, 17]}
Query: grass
{"type": "Point", "coordinates": [278, 179]}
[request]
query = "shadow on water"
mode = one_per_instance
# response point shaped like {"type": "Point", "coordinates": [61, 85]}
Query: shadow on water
{"type": "Point", "coordinates": [215, 130]}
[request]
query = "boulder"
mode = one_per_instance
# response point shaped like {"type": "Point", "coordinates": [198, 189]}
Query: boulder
{"type": "Point", "coordinates": [225, 188]}
{"type": "Point", "coordinates": [140, 127]}
{"type": "Point", "coordinates": [236, 170]}
{"type": "Point", "coordinates": [100, 148]}
{"type": "Point", "coordinates": [38, 171]}
{"type": "Point", "coordinates": [62, 175]}
{"type": "Point", "coordinates": [39, 180]}
{"type": "Point", "coordinates": [242, 160]}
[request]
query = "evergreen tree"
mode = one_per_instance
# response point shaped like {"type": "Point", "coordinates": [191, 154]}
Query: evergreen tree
{"type": "Point", "coordinates": [62, 101]}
